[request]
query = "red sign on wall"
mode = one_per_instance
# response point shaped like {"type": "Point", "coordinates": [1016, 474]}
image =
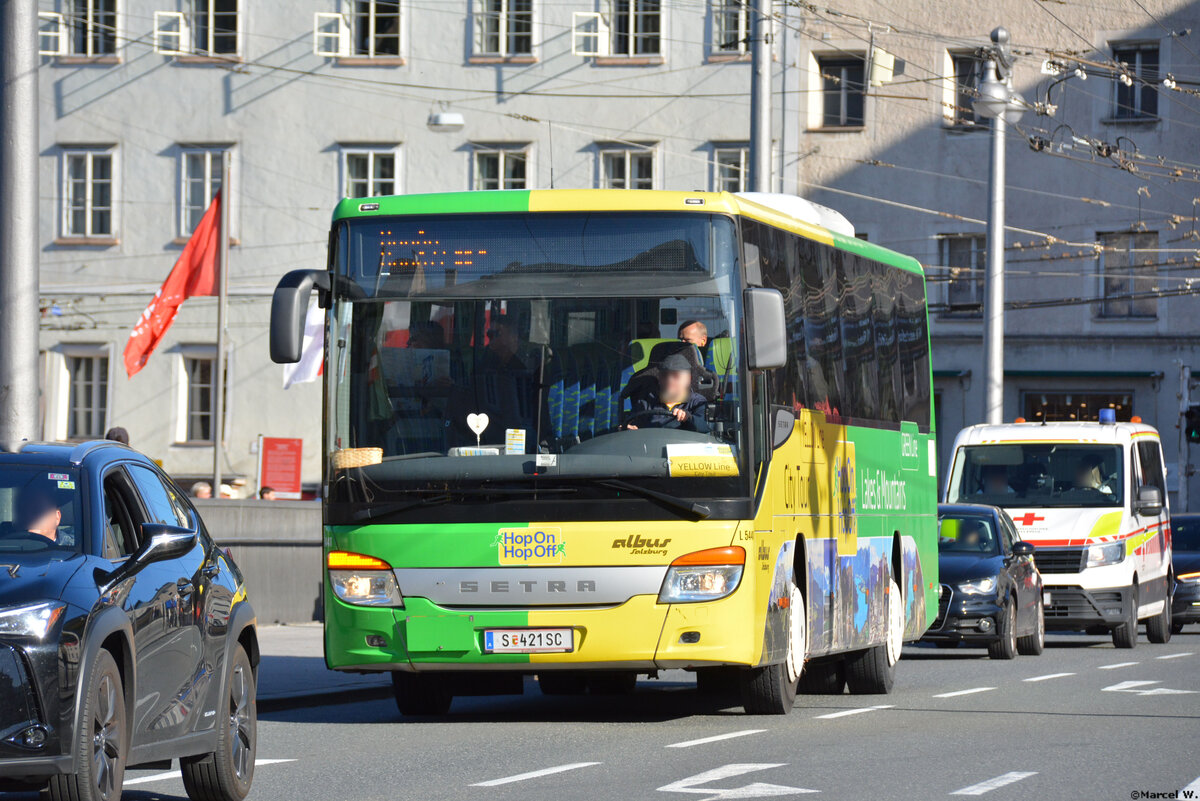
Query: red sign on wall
{"type": "Point", "coordinates": [280, 466]}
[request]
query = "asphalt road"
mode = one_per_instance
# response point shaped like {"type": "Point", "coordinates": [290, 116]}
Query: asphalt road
{"type": "Point", "coordinates": [1082, 721]}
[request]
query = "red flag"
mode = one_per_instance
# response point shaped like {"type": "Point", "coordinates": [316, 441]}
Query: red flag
{"type": "Point", "coordinates": [194, 274]}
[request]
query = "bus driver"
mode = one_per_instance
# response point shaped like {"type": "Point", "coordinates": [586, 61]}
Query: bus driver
{"type": "Point", "coordinates": [675, 405]}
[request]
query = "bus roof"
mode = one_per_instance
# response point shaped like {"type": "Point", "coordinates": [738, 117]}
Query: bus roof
{"type": "Point", "coordinates": [1073, 431]}
{"type": "Point", "coordinates": [761, 207]}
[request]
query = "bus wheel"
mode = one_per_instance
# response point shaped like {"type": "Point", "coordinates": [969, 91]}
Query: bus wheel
{"type": "Point", "coordinates": [1125, 634]}
{"type": "Point", "coordinates": [771, 689]}
{"type": "Point", "coordinates": [823, 678]}
{"type": "Point", "coordinates": [562, 682]}
{"type": "Point", "coordinates": [1158, 628]}
{"type": "Point", "coordinates": [421, 693]}
{"type": "Point", "coordinates": [873, 671]}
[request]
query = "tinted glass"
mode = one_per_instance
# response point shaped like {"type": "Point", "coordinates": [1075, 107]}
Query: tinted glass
{"type": "Point", "coordinates": [1040, 475]}
{"type": "Point", "coordinates": [161, 502]}
{"type": "Point", "coordinates": [39, 511]}
{"type": "Point", "coordinates": [1185, 533]}
{"type": "Point", "coordinates": [968, 534]}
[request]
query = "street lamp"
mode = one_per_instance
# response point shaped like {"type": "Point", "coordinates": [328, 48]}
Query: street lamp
{"type": "Point", "coordinates": [998, 102]}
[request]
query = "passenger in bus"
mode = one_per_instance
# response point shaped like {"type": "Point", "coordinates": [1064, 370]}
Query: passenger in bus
{"type": "Point", "coordinates": [1088, 475]}
{"type": "Point", "coordinates": [695, 332]}
{"type": "Point", "coordinates": [674, 404]}
{"type": "Point", "coordinates": [994, 480]}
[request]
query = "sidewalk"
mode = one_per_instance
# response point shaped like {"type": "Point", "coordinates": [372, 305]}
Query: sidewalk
{"type": "Point", "coordinates": [292, 671]}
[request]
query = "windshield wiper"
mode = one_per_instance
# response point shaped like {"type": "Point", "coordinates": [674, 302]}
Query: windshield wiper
{"type": "Point", "coordinates": [449, 496]}
{"type": "Point", "coordinates": [678, 504]}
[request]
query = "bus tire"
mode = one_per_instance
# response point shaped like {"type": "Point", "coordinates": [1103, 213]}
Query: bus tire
{"type": "Point", "coordinates": [771, 689]}
{"type": "Point", "coordinates": [421, 693]}
{"type": "Point", "coordinates": [873, 671]}
{"type": "Point", "coordinates": [1034, 643]}
{"type": "Point", "coordinates": [823, 678]}
{"type": "Point", "coordinates": [1125, 633]}
{"type": "Point", "coordinates": [1158, 628]}
{"type": "Point", "coordinates": [1005, 644]}
{"type": "Point", "coordinates": [562, 682]}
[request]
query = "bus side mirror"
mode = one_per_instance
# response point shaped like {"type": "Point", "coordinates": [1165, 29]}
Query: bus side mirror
{"type": "Point", "coordinates": [1149, 500]}
{"type": "Point", "coordinates": [289, 307]}
{"type": "Point", "coordinates": [766, 329]}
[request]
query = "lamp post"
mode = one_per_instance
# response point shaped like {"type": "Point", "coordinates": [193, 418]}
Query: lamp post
{"type": "Point", "coordinates": [998, 102]}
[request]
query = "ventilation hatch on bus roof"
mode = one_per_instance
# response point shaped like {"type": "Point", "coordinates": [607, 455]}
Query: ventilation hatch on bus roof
{"type": "Point", "coordinates": [798, 207]}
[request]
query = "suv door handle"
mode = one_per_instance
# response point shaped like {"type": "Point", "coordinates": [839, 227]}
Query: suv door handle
{"type": "Point", "coordinates": [184, 587]}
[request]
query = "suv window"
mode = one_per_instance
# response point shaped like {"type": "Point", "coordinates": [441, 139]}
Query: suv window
{"type": "Point", "coordinates": [162, 503]}
{"type": "Point", "coordinates": [121, 516]}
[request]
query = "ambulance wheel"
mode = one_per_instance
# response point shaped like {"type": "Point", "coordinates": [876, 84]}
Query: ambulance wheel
{"type": "Point", "coordinates": [1159, 628]}
{"type": "Point", "coordinates": [1125, 633]}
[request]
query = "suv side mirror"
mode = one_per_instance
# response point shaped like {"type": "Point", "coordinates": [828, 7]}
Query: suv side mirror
{"type": "Point", "coordinates": [160, 542]}
{"type": "Point", "coordinates": [289, 307]}
{"type": "Point", "coordinates": [766, 329]}
{"type": "Point", "coordinates": [1023, 548]}
{"type": "Point", "coordinates": [1149, 500]}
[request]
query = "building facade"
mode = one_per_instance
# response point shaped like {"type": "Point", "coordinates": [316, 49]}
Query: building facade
{"type": "Point", "coordinates": [319, 99]}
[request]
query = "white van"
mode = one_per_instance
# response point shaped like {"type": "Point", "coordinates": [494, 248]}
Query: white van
{"type": "Point", "coordinates": [1092, 499]}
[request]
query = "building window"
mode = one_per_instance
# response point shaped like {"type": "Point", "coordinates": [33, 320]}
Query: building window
{"type": "Point", "coordinates": [843, 92]}
{"type": "Point", "coordinates": [730, 168]}
{"type": "Point", "coordinates": [215, 27]}
{"type": "Point", "coordinates": [636, 27]}
{"type": "Point", "coordinates": [965, 256]}
{"type": "Point", "coordinates": [730, 26]}
{"type": "Point", "coordinates": [1046, 406]}
{"type": "Point", "coordinates": [375, 28]}
{"type": "Point", "coordinates": [93, 27]}
{"type": "Point", "coordinates": [202, 177]}
{"type": "Point", "coordinates": [501, 169]}
{"type": "Point", "coordinates": [1138, 100]}
{"type": "Point", "coordinates": [87, 396]}
{"type": "Point", "coordinates": [198, 378]}
{"type": "Point", "coordinates": [627, 169]}
{"type": "Point", "coordinates": [369, 173]}
{"type": "Point", "coordinates": [967, 72]}
{"type": "Point", "coordinates": [1128, 271]}
{"type": "Point", "coordinates": [504, 28]}
{"type": "Point", "coordinates": [88, 194]}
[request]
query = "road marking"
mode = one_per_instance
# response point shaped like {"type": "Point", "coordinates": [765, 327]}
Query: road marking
{"type": "Point", "coordinates": [715, 738]}
{"type": "Point", "coordinates": [848, 712]}
{"type": "Point", "coordinates": [1193, 788]}
{"type": "Point", "coordinates": [996, 783]}
{"type": "Point", "coordinates": [752, 790]}
{"type": "Point", "coordinates": [1175, 656]}
{"type": "Point", "coordinates": [1116, 665]}
{"type": "Point", "coordinates": [1143, 688]}
{"type": "Point", "coordinates": [971, 691]}
{"type": "Point", "coordinates": [533, 774]}
{"type": "Point", "coordinates": [174, 774]}
{"type": "Point", "coordinates": [1049, 676]}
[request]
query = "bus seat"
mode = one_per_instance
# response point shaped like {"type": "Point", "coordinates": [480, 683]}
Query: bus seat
{"type": "Point", "coordinates": [639, 351]}
{"type": "Point", "coordinates": [703, 379]}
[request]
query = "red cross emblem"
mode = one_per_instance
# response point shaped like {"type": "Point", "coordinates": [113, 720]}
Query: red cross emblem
{"type": "Point", "coordinates": [1028, 519]}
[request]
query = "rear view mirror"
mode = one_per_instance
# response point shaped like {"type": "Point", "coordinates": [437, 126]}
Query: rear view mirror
{"type": "Point", "coordinates": [766, 329]}
{"type": "Point", "coordinates": [160, 543]}
{"type": "Point", "coordinates": [289, 307]}
{"type": "Point", "coordinates": [1149, 500]}
{"type": "Point", "coordinates": [1022, 548]}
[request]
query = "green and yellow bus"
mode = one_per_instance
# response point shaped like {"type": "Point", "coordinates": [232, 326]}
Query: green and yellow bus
{"type": "Point", "coordinates": [495, 505]}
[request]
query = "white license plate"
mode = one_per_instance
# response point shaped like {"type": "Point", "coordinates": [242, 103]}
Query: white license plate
{"type": "Point", "coordinates": [528, 641]}
{"type": "Point", "coordinates": [1046, 599]}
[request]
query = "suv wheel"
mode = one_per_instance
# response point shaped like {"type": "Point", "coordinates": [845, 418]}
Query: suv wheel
{"type": "Point", "coordinates": [226, 774]}
{"type": "Point", "coordinates": [101, 744]}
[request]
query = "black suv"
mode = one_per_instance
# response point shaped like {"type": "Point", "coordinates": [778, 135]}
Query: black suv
{"type": "Point", "coordinates": [125, 634]}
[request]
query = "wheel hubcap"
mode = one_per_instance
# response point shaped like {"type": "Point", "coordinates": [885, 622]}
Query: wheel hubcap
{"type": "Point", "coordinates": [895, 633]}
{"type": "Point", "coordinates": [106, 737]}
{"type": "Point", "coordinates": [798, 635]}
{"type": "Point", "coordinates": [239, 723]}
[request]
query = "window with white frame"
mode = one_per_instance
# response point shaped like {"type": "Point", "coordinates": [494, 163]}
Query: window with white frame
{"type": "Point", "coordinates": [636, 27]}
{"type": "Point", "coordinates": [627, 169]}
{"type": "Point", "coordinates": [967, 71]}
{"type": "Point", "coordinates": [93, 27]}
{"type": "Point", "coordinates": [1136, 97]}
{"type": "Point", "coordinates": [369, 172]}
{"type": "Point", "coordinates": [730, 168]}
{"type": "Point", "coordinates": [87, 392]}
{"type": "Point", "coordinates": [963, 258]}
{"type": "Point", "coordinates": [1128, 270]}
{"type": "Point", "coordinates": [201, 177]}
{"type": "Point", "coordinates": [501, 167]}
{"type": "Point", "coordinates": [215, 27]}
{"type": "Point", "coordinates": [375, 28]}
{"type": "Point", "coordinates": [199, 394]}
{"type": "Point", "coordinates": [503, 28]}
{"type": "Point", "coordinates": [843, 91]}
{"type": "Point", "coordinates": [88, 194]}
{"type": "Point", "coordinates": [730, 26]}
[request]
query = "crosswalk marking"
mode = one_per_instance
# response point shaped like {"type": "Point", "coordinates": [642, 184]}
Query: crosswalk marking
{"type": "Point", "coordinates": [715, 738]}
{"type": "Point", "coordinates": [847, 712]}
{"type": "Point", "coordinates": [533, 774]}
{"type": "Point", "coordinates": [1049, 676]}
{"type": "Point", "coordinates": [996, 783]}
{"type": "Point", "coordinates": [971, 691]}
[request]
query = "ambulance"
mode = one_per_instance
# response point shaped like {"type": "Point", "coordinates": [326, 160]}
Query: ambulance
{"type": "Point", "coordinates": [1092, 499]}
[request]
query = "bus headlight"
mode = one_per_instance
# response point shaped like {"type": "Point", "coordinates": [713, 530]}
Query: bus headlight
{"type": "Point", "coordinates": [703, 576]}
{"type": "Point", "coordinates": [1108, 554]}
{"type": "Point", "coordinates": [362, 580]}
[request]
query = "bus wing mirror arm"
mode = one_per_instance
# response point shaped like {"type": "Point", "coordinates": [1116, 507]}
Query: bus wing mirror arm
{"type": "Point", "coordinates": [289, 307]}
{"type": "Point", "coordinates": [766, 329]}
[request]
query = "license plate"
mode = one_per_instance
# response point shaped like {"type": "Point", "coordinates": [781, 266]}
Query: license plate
{"type": "Point", "coordinates": [528, 641]}
{"type": "Point", "coordinates": [1046, 599]}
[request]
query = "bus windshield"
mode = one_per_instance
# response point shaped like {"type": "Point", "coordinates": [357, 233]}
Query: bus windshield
{"type": "Point", "coordinates": [1035, 474]}
{"type": "Point", "coordinates": [545, 352]}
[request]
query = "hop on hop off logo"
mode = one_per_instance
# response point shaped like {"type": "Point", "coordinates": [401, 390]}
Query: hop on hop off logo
{"type": "Point", "coordinates": [530, 546]}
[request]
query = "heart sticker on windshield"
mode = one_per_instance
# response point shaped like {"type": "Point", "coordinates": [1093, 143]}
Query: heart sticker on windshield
{"type": "Point", "coordinates": [477, 423]}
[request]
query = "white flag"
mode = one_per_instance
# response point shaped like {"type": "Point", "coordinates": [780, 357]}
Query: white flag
{"type": "Point", "coordinates": [312, 353]}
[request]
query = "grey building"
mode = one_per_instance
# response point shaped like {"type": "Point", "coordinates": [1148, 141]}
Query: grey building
{"type": "Point", "coordinates": [324, 98]}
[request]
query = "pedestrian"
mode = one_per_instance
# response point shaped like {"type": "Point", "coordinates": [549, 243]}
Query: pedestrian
{"type": "Point", "coordinates": [202, 489]}
{"type": "Point", "coordinates": [117, 434]}
{"type": "Point", "coordinates": [266, 494]}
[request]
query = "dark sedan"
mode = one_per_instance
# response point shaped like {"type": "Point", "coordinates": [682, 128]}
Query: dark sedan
{"type": "Point", "coordinates": [991, 593]}
{"type": "Point", "coordinates": [1185, 553]}
{"type": "Point", "coordinates": [125, 634]}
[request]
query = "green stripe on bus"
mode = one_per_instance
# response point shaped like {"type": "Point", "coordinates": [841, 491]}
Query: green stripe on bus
{"type": "Point", "coordinates": [865, 249]}
{"type": "Point", "coordinates": [433, 545]}
{"type": "Point", "coordinates": [434, 203]}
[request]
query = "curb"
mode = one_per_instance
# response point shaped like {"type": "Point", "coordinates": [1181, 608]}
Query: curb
{"type": "Point", "coordinates": [331, 697]}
